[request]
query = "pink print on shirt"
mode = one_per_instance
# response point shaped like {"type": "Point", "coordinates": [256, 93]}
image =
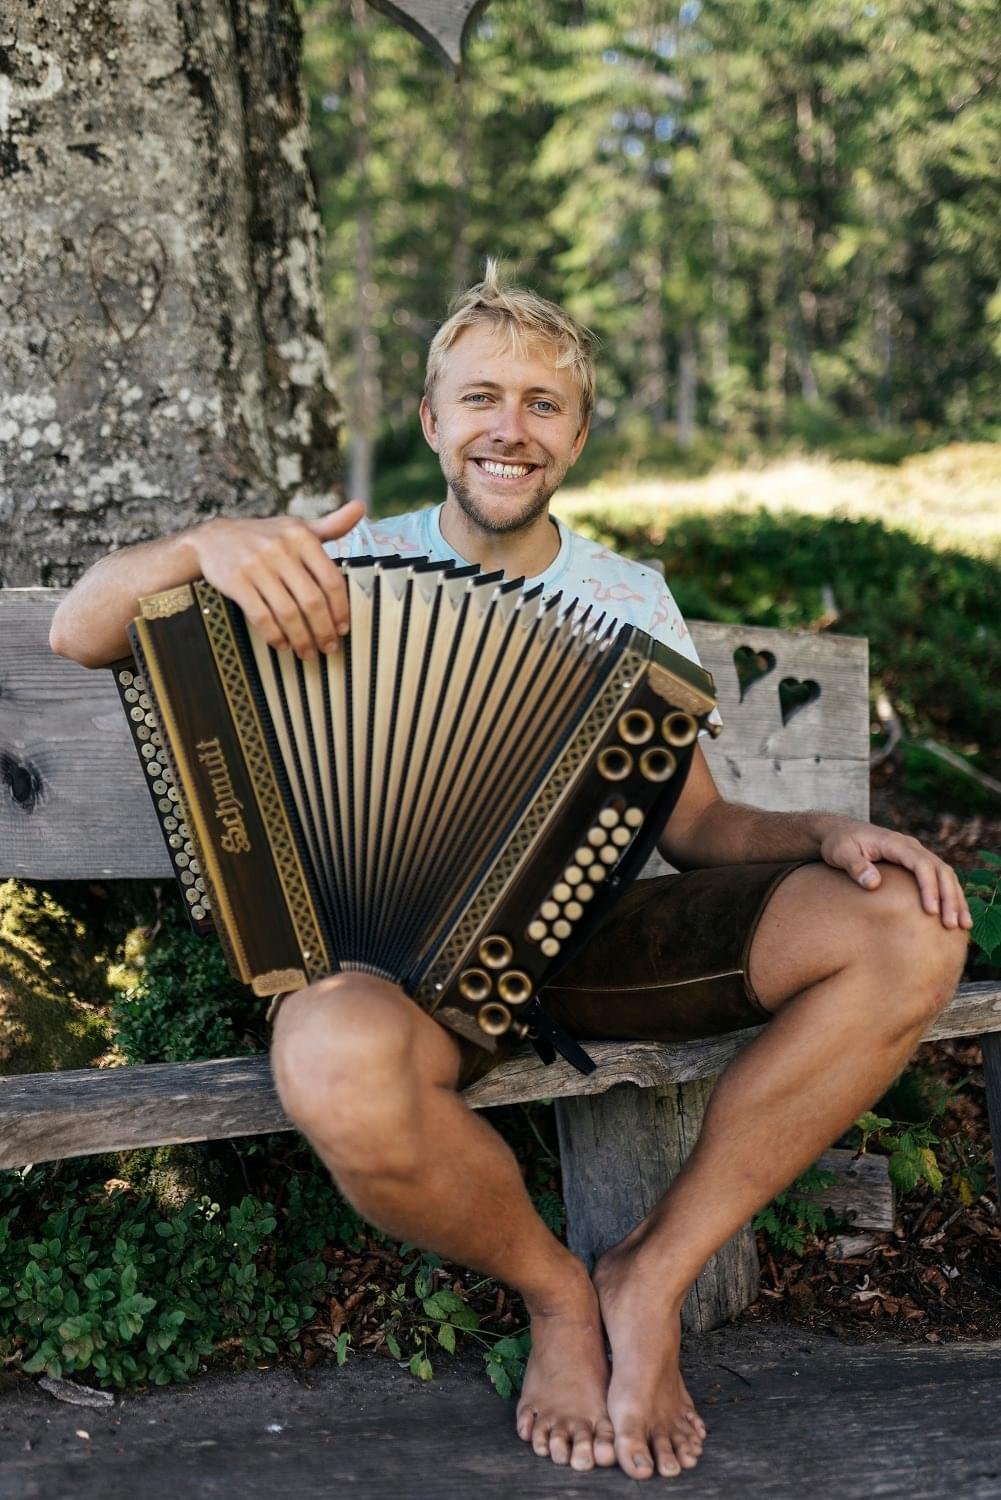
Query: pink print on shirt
{"type": "Point", "coordinates": [619, 592]}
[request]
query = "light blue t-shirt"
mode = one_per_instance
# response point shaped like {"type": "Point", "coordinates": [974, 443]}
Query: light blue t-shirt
{"type": "Point", "coordinates": [623, 590]}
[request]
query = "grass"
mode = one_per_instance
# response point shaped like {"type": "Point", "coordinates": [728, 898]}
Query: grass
{"type": "Point", "coordinates": [949, 497]}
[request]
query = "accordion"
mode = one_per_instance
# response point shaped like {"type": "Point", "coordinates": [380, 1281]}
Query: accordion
{"type": "Point", "coordinates": [451, 800]}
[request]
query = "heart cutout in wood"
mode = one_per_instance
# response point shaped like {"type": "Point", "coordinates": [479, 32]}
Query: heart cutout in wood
{"type": "Point", "coordinates": [795, 695]}
{"type": "Point", "coordinates": [751, 666]}
{"type": "Point", "coordinates": [128, 270]}
{"type": "Point", "coordinates": [442, 25]}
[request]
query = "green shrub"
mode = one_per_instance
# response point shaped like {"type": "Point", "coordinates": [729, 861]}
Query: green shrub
{"type": "Point", "coordinates": [185, 1005]}
{"type": "Point", "coordinates": [103, 1285]}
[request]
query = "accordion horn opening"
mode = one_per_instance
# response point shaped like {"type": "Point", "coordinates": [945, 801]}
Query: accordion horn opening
{"type": "Point", "coordinates": [636, 726]}
{"type": "Point", "coordinates": [657, 765]}
{"type": "Point", "coordinates": [614, 763]}
{"type": "Point", "coordinates": [515, 987]}
{"type": "Point", "coordinates": [679, 729]}
{"type": "Point", "coordinates": [495, 951]}
{"type": "Point", "coordinates": [493, 1018]}
{"type": "Point", "coordinates": [474, 984]}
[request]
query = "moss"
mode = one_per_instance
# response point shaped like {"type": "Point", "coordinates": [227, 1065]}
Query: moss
{"type": "Point", "coordinates": [61, 961]}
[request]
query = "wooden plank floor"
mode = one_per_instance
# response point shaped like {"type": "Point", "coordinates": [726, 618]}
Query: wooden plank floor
{"type": "Point", "coordinates": [789, 1414]}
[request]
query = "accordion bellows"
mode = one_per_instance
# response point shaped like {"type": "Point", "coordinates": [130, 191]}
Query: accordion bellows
{"type": "Point", "coordinates": [451, 800]}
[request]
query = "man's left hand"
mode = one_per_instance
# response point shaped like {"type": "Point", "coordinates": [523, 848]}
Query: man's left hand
{"type": "Point", "coordinates": [858, 847]}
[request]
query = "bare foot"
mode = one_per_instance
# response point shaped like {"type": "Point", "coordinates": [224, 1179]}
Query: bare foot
{"type": "Point", "coordinates": [562, 1410]}
{"type": "Point", "coordinates": [656, 1426]}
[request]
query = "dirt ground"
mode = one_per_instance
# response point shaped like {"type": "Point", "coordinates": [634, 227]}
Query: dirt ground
{"type": "Point", "coordinates": [788, 1413]}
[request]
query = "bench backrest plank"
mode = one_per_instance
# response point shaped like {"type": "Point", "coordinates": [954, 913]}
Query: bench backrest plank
{"type": "Point", "coordinates": [73, 804]}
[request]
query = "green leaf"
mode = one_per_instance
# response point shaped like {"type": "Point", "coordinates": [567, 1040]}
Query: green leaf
{"type": "Point", "coordinates": [446, 1337]}
{"type": "Point", "coordinates": [986, 930]}
{"type": "Point", "coordinates": [393, 1346]}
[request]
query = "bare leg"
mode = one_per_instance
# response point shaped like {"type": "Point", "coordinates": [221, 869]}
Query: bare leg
{"type": "Point", "coordinates": [370, 1080]}
{"type": "Point", "coordinates": [856, 978]}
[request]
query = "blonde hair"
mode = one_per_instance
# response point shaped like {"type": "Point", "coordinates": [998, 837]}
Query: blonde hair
{"type": "Point", "coordinates": [528, 320]}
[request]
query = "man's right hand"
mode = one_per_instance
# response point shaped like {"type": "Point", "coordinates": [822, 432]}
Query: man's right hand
{"type": "Point", "coordinates": [276, 570]}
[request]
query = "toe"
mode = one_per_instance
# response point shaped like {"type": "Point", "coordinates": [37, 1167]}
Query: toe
{"type": "Point", "coordinates": [686, 1446]}
{"type": "Point", "coordinates": [540, 1437]}
{"type": "Point", "coordinates": [667, 1460]}
{"type": "Point", "coordinates": [560, 1443]}
{"type": "Point", "coordinates": [524, 1422]}
{"type": "Point", "coordinates": [604, 1443]}
{"type": "Point", "coordinates": [582, 1454]}
{"type": "Point", "coordinates": [634, 1456]}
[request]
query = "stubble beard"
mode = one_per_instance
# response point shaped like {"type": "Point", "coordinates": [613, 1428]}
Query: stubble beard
{"type": "Point", "coordinates": [535, 504]}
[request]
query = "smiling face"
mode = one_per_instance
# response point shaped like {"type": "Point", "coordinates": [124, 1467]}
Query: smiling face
{"type": "Point", "coordinates": [506, 427]}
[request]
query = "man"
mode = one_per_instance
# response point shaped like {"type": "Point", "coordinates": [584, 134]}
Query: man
{"type": "Point", "coordinates": [851, 937]}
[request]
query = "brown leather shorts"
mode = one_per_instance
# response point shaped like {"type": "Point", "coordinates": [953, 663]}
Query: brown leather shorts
{"type": "Point", "coordinates": [668, 964]}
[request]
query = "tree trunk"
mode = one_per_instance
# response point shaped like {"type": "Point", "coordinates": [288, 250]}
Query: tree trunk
{"type": "Point", "coordinates": [687, 387]}
{"type": "Point", "coordinates": [161, 347]}
{"type": "Point", "coordinates": [365, 397]}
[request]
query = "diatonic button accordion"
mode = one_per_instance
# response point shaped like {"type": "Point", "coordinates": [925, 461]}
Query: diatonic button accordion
{"type": "Point", "coordinates": [452, 800]}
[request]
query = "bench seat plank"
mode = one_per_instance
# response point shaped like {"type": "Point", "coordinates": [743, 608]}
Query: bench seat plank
{"type": "Point", "coordinates": [46, 1116]}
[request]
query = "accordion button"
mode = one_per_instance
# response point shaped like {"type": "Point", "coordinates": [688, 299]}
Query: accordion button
{"type": "Point", "coordinates": [574, 910]}
{"type": "Point", "coordinates": [561, 891]}
{"type": "Point", "coordinates": [550, 947]}
{"type": "Point", "coordinates": [131, 696]}
{"type": "Point", "coordinates": [549, 910]}
{"type": "Point", "coordinates": [562, 929]}
{"type": "Point", "coordinates": [198, 912]}
{"type": "Point", "coordinates": [584, 855]}
{"type": "Point", "coordinates": [536, 931]}
{"type": "Point", "coordinates": [573, 874]}
{"type": "Point", "coordinates": [136, 714]}
{"type": "Point", "coordinates": [584, 892]}
{"type": "Point", "coordinates": [608, 817]}
{"type": "Point", "coordinates": [191, 895]}
{"type": "Point", "coordinates": [142, 733]}
{"type": "Point", "coordinates": [125, 678]}
{"type": "Point", "coordinates": [597, 836]}
{"type": "Point", "coordinates": [609, 854]}
{"type": "Point", "coordinates": [597, 872]}
{"type": "Point", "coordinates": [160, 788]}
{"type": "Point", "coordinates": [621, 836]}
{"type": "Point", "coordinates": [634, 816]}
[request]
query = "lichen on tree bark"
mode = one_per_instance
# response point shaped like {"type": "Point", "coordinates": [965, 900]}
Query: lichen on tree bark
{"type": "Point", "coordinates": [161, 345]}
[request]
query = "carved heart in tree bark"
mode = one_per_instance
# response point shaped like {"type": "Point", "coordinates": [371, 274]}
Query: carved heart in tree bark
{"type": "Point", "coordinates": [439, 24]}
{"type": "Point", "coordinates": [751, 667]}
{"type": "Point", "coordinates": [794, 695]}
{"type": "Point", "coordinates": [128, 270]}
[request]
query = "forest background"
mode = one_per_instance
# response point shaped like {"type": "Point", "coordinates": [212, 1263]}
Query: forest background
{"type": "Point", "coordinates": [781, 222]}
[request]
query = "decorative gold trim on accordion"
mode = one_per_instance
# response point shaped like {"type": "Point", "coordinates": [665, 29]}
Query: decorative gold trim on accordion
{"type": "Point", "coordinates": [262, 779]}
{"type": "Point", "coordinates": [276, 980]}
{"type": "Point", "coordinates": [572, 760]}
{"type": "Point", "coordinates": [170, 602]}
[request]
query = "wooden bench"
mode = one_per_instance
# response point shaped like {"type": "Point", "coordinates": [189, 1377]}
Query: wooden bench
{"type": "Point", "coordinates": [73, 806]}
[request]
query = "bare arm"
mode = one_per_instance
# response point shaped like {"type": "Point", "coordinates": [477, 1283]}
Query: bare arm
{"type": "Point", "coordinates": [705, 830]}
{"type": "Point", "coordinates": [274, 567]}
